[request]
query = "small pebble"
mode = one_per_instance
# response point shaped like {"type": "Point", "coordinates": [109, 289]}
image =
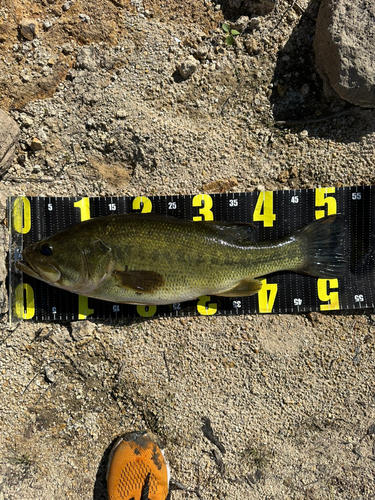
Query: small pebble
{"type": "Point", "coordinates": [66, 6]}
{"type": "Point", "coordinates": [241, 23]}
{"type": "Point", "coordinates": [36, 144]}
{"type": "Point", "coordinates": [187, 67]}
{"type": "Point", "coordinates": [85, 18]}
{"type": "Point", "coordinates": [27, 121]}
{"type": "Point", "coordinates": [67, 48]}
{"type": "Point", "coordinates": [121, 113]}
{"type": "Point", "coordinates": [25, 78]}
{"type": "Point", "coordinates": [305, 89]}
{"type": "Point", "coordinates": [49, 374]}
{"type": "Point", "coordinates": [28, 29]}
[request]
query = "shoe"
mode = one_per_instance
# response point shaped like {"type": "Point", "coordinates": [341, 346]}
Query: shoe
{"type": "Point", "coordinates": [137, 469]}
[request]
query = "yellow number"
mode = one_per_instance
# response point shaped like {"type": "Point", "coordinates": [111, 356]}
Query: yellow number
{"type": "Point", "coordinates": [267, 296]}
{"type": "Point", "coordinates": [264, 209]}
{"type": "Point", "coordinates": [84, 206]}
{"type": "Point", "coordinates": [205, 307]}
{"type": "Point", "coordinates": [146, 311]}
{"type": "Point", "coordinates": [83, 307]}
{"type": "Point", "coordinates": [204, 201]}
{"type": "Point", "coordinates": [22, 215]}
{"type": "Point", "coordinates": [24, 301]}
{"type": "Point", "coordinates": [144, 203]}
{"type": "Point", "coordinates": [322, 199]}
{"type": "Point", "coordinates": [326, 294]}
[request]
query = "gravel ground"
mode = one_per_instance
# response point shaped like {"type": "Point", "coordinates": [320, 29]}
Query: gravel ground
{"type": "Point", "coordinates": [291, 399]}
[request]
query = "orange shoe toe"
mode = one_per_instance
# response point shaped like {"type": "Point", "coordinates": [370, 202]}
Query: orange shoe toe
{"type": "Point", "coordinates": [137, 469]}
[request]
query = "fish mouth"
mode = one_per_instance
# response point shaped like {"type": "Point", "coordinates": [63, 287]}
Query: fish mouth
{"type": "Point", "coordinates": [44, 272]}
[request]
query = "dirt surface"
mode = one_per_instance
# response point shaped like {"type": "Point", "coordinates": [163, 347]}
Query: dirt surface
{"type": "Point", "coordinates": [291, 399]}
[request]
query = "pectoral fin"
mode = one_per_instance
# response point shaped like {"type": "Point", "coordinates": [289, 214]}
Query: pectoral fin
{"type": "Point", "coordinates": [139, 281]}
{"type": "Point", "coordinates": [244, 288]}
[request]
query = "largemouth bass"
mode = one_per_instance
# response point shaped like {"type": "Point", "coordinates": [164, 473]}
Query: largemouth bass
{"type": "Point", "coordinates": [154, 259]}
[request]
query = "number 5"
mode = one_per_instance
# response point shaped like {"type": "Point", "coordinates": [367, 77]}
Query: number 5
{"type": "Point", "coordinates": [322, 199]}
{"type": "Point", "coordinates": [327, 292]}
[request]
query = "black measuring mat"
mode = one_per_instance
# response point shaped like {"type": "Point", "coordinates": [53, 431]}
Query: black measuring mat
{"type": "Point", "coordinates": [275, 214]}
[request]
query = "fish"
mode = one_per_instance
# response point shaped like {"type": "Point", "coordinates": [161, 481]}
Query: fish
{"type": "Point", "coordinates": [151, 259]}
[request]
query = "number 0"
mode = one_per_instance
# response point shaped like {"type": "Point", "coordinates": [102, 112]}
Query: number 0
{"type": "Point", "coordinates": [24, 301]}
{"type": "Point", "coordinates": [22, 215]}
{"type": "Point", "coordinates": [146, 311]}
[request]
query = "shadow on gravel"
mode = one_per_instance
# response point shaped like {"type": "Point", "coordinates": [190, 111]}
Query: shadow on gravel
{"type": "Point", "coordinates": [298, 99]}
{"type": "Point", "coordinates": [232, 9]}
{"type": "Point", "coordinates": [100, 486]}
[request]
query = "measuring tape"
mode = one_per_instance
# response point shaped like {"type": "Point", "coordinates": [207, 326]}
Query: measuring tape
{"type": "Point", "coordinates": [275, 213]}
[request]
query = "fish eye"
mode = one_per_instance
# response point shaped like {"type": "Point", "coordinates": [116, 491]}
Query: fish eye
{"type": "Point", "coordinates": [46, 249]}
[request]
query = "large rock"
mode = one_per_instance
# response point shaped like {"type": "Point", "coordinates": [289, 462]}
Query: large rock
{"type": "Point", "coordinates": [9, 135]}
{"type": "Point", "coordinates": [345, 49]}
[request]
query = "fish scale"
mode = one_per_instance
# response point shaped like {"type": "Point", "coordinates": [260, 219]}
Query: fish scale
{"type": "Point", "coordinates": [135, 258]}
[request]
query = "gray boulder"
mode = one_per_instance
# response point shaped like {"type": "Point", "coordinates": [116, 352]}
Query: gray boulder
{"type": "Point", "coordinates": [344, 48]}
{"type": "Point", "coordinates": [9, 135]}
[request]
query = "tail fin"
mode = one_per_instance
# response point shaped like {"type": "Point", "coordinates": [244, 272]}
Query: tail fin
{"type": "Point", "coordinates": [322, 244]}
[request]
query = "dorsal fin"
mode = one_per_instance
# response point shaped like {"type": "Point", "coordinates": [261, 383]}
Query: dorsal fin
{"type": "Point", "coordinates": [233, 231]}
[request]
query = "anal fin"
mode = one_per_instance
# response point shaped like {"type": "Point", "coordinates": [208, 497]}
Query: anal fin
{"type": "Point", "coordinates": [245, 288]}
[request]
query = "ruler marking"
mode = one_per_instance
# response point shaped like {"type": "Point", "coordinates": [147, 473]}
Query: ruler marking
{"type": "Point", "coordinates": [371, 242]}
{"type": "Point", "coordinates": [284, 276]}
{"type": "Point", "coordinates": [290, 286]}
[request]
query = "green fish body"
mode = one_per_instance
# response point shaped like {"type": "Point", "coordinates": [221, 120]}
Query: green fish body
{"type": "Point", "coordinates": [154, 259]}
